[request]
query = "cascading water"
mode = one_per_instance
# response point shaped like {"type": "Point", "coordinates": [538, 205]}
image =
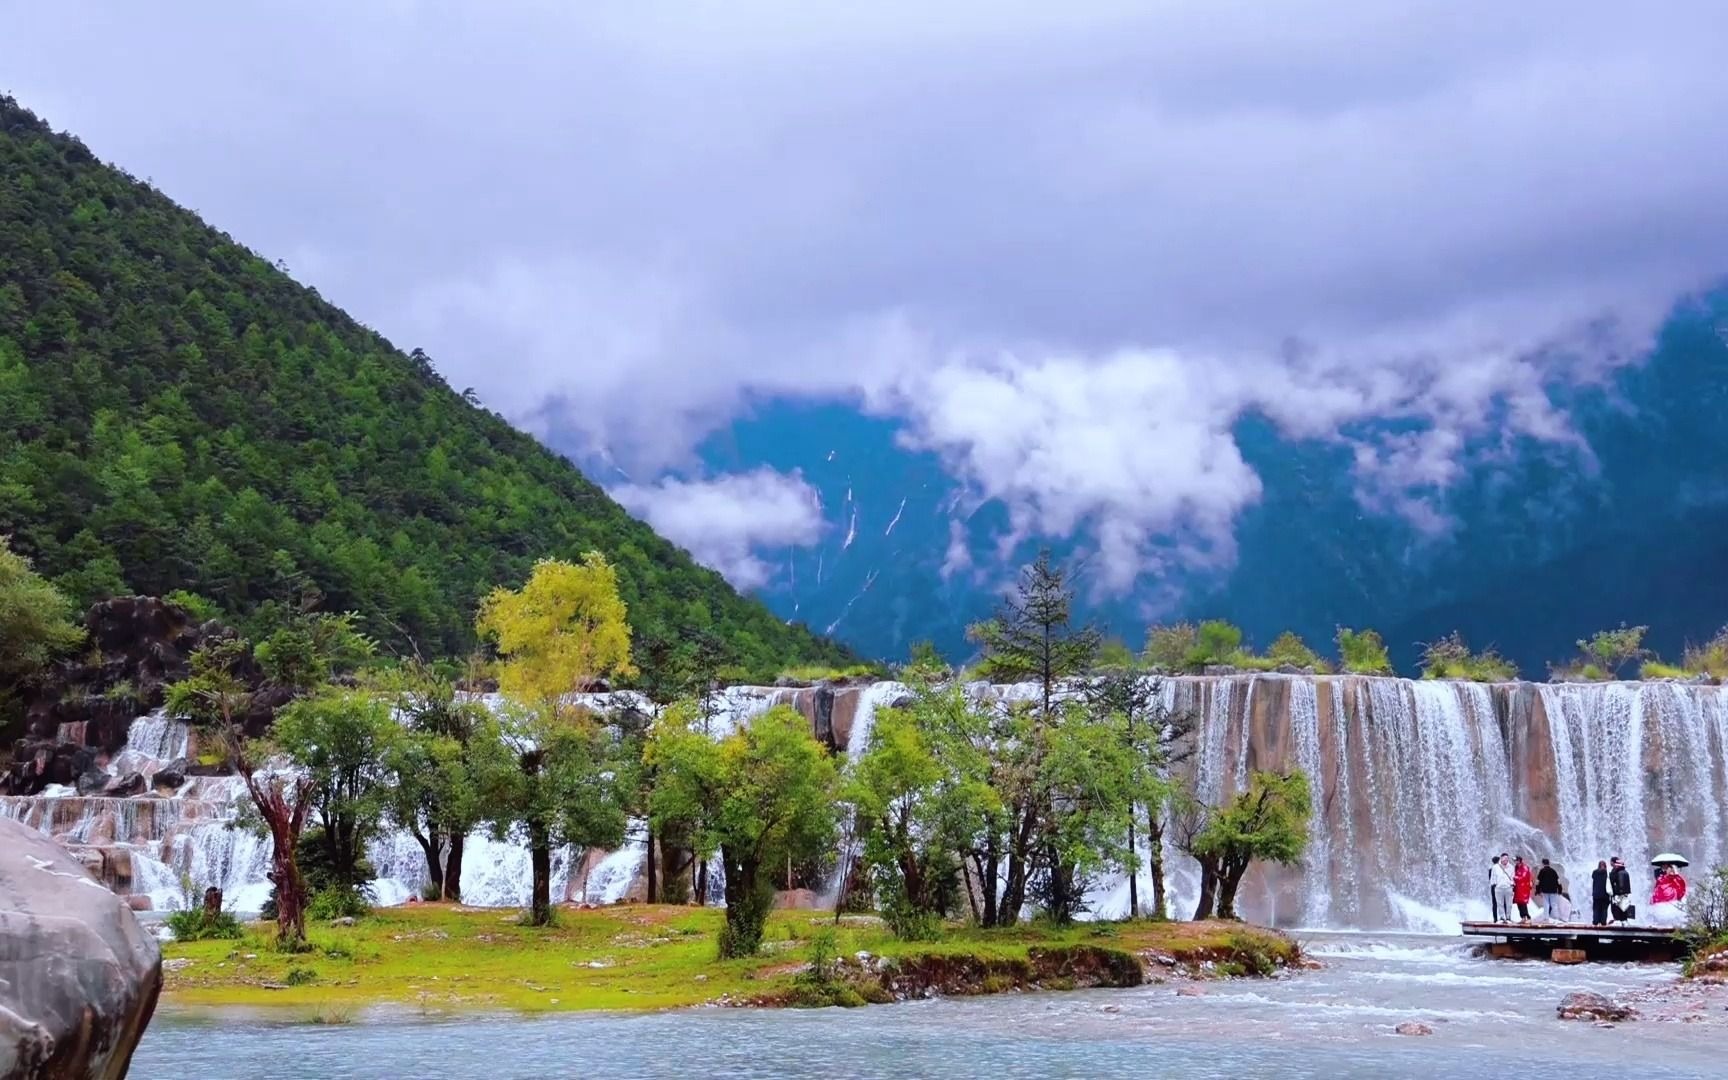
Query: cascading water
{"type": "Point", "coordinates": [1414, 786]}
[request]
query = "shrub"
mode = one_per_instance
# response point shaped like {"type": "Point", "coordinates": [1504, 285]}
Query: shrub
{"type": "Point", "coordinates": [193, 925]}
{"type": "Point", "coordinates": [1451, 658]}
{"type": "Point", "coordinates": [1608, 651]}
{"type": "Point", "coordinates": [338, 902]}
{"type": "Point", "coordinates": [742, 934]}
{"type": "Point", "coordinates": [1710, 659]}
{"type": "Point", "coordinates": [1287, 648]}
{"type": "Point", "coordinates": [1707, 912]}
{"type": "Point", "coordinates": [824, 948]}
{"type": "Point", "coordinates": [201, 609]}
{"type": "Point", "coordinates": [1219, 641]}
{"type": "Point", "coordinates": [1362, 652]}
{"type": "Point", "coordinates": [299, 976]}
{"type": "Point", "coordinates": [1168, 647]}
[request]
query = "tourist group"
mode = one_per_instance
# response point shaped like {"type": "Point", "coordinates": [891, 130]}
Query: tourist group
{"type": "Point", "coordinates": [1512, 882]}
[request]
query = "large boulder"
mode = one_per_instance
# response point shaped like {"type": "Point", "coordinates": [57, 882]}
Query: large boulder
{"type": "Point", "coordinates": [78, 976]}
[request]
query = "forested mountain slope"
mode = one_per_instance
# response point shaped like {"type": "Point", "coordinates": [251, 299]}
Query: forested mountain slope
{"type": "Point", "coordinates": [176, 413]}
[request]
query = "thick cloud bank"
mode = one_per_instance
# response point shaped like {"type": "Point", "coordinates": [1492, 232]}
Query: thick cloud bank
{"type": "Point", "coordinates": [1068, 246]}
{"type": "Point", "coordinates": [725, 521]}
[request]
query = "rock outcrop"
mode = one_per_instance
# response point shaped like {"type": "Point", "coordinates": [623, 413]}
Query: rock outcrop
{"type": "Point", "coordinates": [77, 716]}
{"type": "Point", "coordinates": [78, 976]}
{"type": "Point", "coordinates": [1584, 1005]}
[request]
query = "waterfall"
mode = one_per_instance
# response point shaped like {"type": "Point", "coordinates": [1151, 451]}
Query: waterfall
{"type": "Point", "coordinates": [873, 697]}
{"type": "Point", "coordinates": [1414, 784]}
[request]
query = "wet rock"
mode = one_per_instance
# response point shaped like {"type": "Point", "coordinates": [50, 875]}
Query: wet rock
{"type": "Point", "coordinates": [1413, 1027]}
{"type": "Point", "coordinates": [171, 776]}
{"type": "Point", "coordinates": [1584, 1005]}
{"type": "Point", "coordinates": [125, 786]}
{"type": "Point", "coordinates": [1190, 991]}
{"type": "Point", "coordinates": [92, 782]}
{"type": "Point", "coordinates": [78, 976]}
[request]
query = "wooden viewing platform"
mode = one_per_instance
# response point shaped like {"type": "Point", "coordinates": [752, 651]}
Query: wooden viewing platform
{"type": "Point", "coordinates": [1574, 943]}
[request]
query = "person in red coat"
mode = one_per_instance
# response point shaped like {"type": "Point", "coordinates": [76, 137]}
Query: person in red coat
{"type": "Point", "coordinates": [1523, 884]}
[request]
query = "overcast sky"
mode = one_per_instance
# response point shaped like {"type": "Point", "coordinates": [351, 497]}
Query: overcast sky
{"type": "Point", "coordinates": [1064, 246]}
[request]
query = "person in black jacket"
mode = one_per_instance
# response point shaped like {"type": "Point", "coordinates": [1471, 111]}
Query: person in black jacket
{"type": "Point", "coordinates": [1620, 891]}
{"type": "Point", "coordinates": [1548, 888]}
{"type": "Point", "coordinates": [1599, 894]}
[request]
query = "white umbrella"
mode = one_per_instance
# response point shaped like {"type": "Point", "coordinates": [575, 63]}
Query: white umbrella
{"type": "Point", "coordinates": [1668, 858]}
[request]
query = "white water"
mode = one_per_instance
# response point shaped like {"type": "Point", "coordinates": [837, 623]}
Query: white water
{"type": "Point", "coordinates": [1414, 785]}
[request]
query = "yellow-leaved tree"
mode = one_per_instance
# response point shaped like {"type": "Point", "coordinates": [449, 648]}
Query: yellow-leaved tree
{"type": "Point", "coordinates": [561, 631]}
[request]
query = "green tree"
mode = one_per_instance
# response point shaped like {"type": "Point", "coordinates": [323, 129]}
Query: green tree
{"type": "Point", "coordinates": [920, 797]}
{"type": "Point", "coordinates": [1157, 738]}
{"type": "Point", "coordinates": [760, 796]}
{"type": "Point", "coordinates": [310, 649]}
{"type": "Point", "coordinates": [1289, 649]}
{"type": "Point", "coordinates": [1267, 822]}
{"type": "Point", "coordinates": [35, 623]}
{"type": "Point", "coordinates": [569, 785]}
{"type": "Point", "coordinates": [447, 747]}
{"type": "Point", "coordinates": [1169, 647]}
{"type": "Point", "coordinates": [565, 629]}
{"type": "Point", "coordinates": [1031, 637]}
{"type": "Point", "coordinates": [1609, 651]}
{"type": "Point", "coordinates": [1218, 642]}
{"type": "Point", "coordinates": [1362, 652]}
{"type": "Point", "coordinates": [343, 740]}
{"type": "Point", "coordinates": [1451, 658]}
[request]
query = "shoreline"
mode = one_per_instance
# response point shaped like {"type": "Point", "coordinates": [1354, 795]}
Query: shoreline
{"type": "Point", "coordinates": [433, 960]}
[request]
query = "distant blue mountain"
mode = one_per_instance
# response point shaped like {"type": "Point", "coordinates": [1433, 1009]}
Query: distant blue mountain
{"type": "Point", "coordinates": [1542, 551]}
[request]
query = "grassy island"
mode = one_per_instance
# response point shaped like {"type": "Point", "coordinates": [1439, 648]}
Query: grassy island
{"type": "Point", "coordinates": [443, 958]}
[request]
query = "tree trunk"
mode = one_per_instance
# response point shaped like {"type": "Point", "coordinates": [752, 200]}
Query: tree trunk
{"type": "Point", "coordinates": [653, 869]}
{"type": "Point", "coordinates": [540, 856]}
{"type": "Point", "coordinates": [1155, 861]}
{"type": "Point", "coordinates": [1208, 890]}
{"type": "Point", "coordinates": [453, 868]}
{"type": "Point", "coordinates": [1134, 875]}
{"type": "Point", "coordinates": [430, 843]}
{"type": "Point", "coordinates": [699, 890]}
{"type": "Point", "coordinates": [1232, 879]}
{"type": "Point", "coordinates": [1020, 846]}
{"type": "Point", "coordinates": [990, 882]}
{"type": "Point", "coordinates": [285, 816]}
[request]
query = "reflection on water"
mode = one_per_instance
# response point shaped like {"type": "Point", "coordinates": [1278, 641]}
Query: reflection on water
{"type": "Point", "coordinates": [1338, 1022]}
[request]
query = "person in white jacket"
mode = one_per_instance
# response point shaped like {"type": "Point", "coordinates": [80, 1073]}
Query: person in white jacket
{"type": "Point", "coordinates": [1500, 886]}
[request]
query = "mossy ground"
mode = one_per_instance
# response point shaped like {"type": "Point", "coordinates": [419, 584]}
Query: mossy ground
{"type": "Point", "coordinates": [440, 958]}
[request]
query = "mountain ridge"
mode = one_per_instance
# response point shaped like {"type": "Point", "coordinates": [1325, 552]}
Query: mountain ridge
{"type": "Point", "coordinates": [178, 414]}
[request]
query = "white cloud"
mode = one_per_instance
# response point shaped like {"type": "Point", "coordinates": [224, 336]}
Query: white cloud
{"type": "Point", "coordinates": [726, 521]}
{"type": "Point", "coordinates": [1067, 248]}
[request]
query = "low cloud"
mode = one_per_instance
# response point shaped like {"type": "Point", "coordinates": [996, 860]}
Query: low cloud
{"type": "Point", "coordinates": [1067, 249]}
{"type": "Point", "coordinates": [726, 522]}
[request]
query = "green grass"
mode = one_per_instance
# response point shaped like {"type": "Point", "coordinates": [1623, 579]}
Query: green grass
{"type": "Point", "coordinates": [627, 957]}
{"type": "Point", "coordinates": [811, 673]}
{"type": "Point", "coordinates": [1656, 669]}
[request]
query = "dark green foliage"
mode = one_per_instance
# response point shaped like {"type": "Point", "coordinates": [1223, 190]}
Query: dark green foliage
{"type": "Point", "coordinates": [1362, 652]}
{"type": "Point", "coordinates": [338, 901]}
{"type": "Point", "coordinates": [176, 413]}
{"type": "Point", "coordinates": [195, 925]}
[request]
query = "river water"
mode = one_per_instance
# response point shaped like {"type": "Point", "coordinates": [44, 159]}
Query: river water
{"type": "Point", "coordinates": [1489, 1018]}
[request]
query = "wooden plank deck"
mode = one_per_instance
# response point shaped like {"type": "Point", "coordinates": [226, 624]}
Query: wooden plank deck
{"type": "Point", "coordinates": [1572, 943]}
{"type": "Point", "coordinates": [1614, 931]}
